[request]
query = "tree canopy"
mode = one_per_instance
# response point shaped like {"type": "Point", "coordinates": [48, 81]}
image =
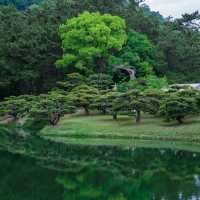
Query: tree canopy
{"type": "Point", "coordinates": [30, 43]}
{"type": "Point", "coordinates": [89, 39]}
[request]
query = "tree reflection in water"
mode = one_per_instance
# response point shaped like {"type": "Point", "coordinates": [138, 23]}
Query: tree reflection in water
{"type": "Point", "coordinates": [140, 174]}
{"type": "Point", "coordinates": [101, 173]}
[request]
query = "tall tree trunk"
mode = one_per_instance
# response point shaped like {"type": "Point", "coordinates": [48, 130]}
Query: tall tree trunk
{"type": "Point", "coordinates": [87, 112]}
{"type": "Point", "coordinates": [138, 116]}
{"type": "Point", "coordinates": [180, 120]}
{"type": "Point", "coordinates": [100, 64]}
{"type": "Point", "coordinates": [114, 114]}
{"type": "Point", "coordinates": [54, 119]}
{"type": "Point", "coordinates": [104, 110]}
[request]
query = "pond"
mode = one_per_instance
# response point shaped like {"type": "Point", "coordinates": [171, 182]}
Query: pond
{"type": "Point", "coordinates": [102, 173]}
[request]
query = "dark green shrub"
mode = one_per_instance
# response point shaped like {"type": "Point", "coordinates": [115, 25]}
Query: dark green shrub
{"type": "Point", "coordinates": [177, 108]}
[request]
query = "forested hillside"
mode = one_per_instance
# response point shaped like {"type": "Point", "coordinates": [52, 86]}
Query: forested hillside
{"type": "Point", "coordinates": [30, 43]}
{"type": "Point", "coordinates": [20, 4]}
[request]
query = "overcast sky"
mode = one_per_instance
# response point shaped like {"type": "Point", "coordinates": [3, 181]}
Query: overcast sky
{"type": "Point", "coordinates": [174, 8]}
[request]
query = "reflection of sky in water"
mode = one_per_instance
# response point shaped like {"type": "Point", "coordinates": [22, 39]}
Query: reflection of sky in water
{"type": "Point", "coordinates": [194, 198]}
{"type": "Point", "coordinates": [197, 180]}
{"type": "Point", "coordinates": [197, 183]}
{"type": "Point", "coordinates": [180, 195]}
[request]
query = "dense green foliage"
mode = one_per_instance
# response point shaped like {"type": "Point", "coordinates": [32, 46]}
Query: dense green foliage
{"type": "Point", "coordinates": [88, 39]}
{"type": "Point", "coordinates": [30, 43]}
{"type": "Point", "coordinates": [29, 48]}
{"type": "Point", "coordinates": [179, 104]}
{"type": "Point", "coordinates": [47, 109]}
{"type": "Point", "coordinates": [82, 96]}
{"type": "Point", "coordinates": [136, 102]}
{"type": "Point", "coordinates": [51, 107]}
{"type": "Point", "coordinates": [138, 52]}
{"type": "Point", "coordinates": [37, 111]}
{"type": "Point", "coordinates": [101, 81]}
{"type": "Point", "coordinates": [71, 81]}
{"type": "Point", "coordinates": [16, 107]}
{"type": "Point", "coordinates": [175, 107]}
{"type": "Point", "coordinates": [66, 58]}
{"type": "Point", "coordinates": [148, 83]}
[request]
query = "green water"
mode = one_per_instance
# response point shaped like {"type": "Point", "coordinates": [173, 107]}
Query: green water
{"type": "Point", "coordinates": [102, 173]}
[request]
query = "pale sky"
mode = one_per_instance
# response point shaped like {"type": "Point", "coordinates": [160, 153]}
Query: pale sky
{"type": "Point", "coordinates": [174, 8]}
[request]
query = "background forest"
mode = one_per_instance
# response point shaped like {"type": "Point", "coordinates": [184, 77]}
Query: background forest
{"type": "Point", "coordinates": [30, 43]}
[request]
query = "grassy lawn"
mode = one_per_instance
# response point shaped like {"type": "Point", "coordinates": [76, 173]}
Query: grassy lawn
{"type": "Point", "coordinates": [124, 128]}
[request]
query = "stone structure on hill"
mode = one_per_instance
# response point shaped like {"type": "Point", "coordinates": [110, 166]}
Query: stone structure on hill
{"type": "Point", "coordinates": [195, 86]}
{"type": "Point", "coordinates": [122, 73]}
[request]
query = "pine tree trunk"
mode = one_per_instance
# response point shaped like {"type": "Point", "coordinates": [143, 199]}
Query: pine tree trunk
{"type": "Point", "coordinates": [138, 116]}
{"type": "Point", "coordinates": [54, 119]}
{"type": "Point", "coordinates": [100, 65]}
{"type": "Point", "coordinates": [87, 112]}
{"type": "Point", "coordinates": [104, 111]}
{"type": "Point", "coordinates": [180, 120]}
{"type": "Point", "coordinates": [114, 114]}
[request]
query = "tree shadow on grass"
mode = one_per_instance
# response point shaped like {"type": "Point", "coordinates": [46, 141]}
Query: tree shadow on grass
{"type": "Point", "coordinates": [186, 122]}
{"type": "Point", "coordinates": [131, 121]}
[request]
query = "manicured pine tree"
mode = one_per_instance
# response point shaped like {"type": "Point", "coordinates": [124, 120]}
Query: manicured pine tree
{"type": "Point", "coordinates": [83, 96]}
{"type": "Point", "coordinates": [177, 108]}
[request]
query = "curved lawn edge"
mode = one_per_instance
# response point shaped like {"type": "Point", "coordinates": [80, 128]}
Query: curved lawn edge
{"type": "Point", "coordinates": [139, 137]}
{"type": "Point", "coordinates": [129, 143]}
{"type": "Point", "coordinates": [103, 127]}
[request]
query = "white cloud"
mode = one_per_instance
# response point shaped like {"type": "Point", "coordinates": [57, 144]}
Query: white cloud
{"type": "Point", "coordinates": [174, 8]}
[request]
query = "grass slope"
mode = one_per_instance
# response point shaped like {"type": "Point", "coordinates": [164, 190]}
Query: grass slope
{"type": "Point", "coordinates": [124, 128]}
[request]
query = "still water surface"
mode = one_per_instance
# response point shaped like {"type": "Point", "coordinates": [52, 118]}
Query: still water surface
{"type": "Point", "coordinates": [109, 174]}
